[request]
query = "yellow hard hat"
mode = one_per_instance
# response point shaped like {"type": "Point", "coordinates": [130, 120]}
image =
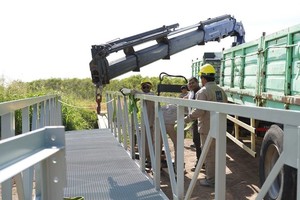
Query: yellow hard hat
{"type": "Point", "coordinates": [207, 70]}
{"type": "Point", "coordinates": [146, 81]}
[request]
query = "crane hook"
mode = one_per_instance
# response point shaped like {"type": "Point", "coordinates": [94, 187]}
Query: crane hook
{"type": "Point", "coordinates": [98, 98]}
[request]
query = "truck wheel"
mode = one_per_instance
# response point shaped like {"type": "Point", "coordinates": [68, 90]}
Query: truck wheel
{"type": "Point", "coordinates": [285, 183]}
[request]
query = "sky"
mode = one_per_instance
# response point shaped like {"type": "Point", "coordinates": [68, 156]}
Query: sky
{"type": "Point", "coordinates": [42, 39]}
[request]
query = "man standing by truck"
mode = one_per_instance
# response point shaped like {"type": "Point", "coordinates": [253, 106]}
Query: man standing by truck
{"type": "Point", "coordinates": [210, 91]}
{"type": "Point", "coordinates": [194, 87]}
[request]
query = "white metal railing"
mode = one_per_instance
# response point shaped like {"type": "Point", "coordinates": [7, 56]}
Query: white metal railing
{"type": "Point", "coordinates": [123, 128]}
{"type": "Point", "coordinates": [35, 159]}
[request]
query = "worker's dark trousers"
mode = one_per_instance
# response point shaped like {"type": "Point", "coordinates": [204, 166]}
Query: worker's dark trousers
{"type": "Point", "coordinates": [196, 139]}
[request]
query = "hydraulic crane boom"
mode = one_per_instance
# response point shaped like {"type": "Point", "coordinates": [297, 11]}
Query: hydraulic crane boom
{"type": "Point", "coordinates": [169, 42]}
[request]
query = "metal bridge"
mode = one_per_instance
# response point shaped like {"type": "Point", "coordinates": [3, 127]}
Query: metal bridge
{"type": "Point", "coordinates": [45, 162]}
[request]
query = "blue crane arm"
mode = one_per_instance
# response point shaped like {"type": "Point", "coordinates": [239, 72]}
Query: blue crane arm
{"type": "Point", "coordinates": [170, 40]}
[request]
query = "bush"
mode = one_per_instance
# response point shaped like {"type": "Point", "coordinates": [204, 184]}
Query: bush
{"type": "Point", "coordinates": [78, 95]}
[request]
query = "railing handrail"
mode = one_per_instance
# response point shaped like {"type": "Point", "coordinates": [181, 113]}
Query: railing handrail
{"type": "Point", "coordinates": [117, 110]}
{"type": "Point", "coordinates": [243, 110]}
{"type": "Point", "coordinates": [10, 106]}
{"type": "Point", "coordinates": [261, 113]}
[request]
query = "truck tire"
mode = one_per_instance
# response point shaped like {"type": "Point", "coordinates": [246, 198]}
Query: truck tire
{"type": "Point", "coordinates": [284, 186]}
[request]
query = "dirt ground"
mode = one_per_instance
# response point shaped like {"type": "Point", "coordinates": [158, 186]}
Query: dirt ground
{"type": "Point", "coordinates": [242, 179]}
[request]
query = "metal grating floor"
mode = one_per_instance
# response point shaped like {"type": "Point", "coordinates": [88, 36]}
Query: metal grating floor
{"type": "Point", "coordinates": [98, 167]}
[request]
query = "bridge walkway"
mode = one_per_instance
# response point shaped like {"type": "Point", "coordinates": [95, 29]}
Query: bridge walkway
{"type": "Point", "coordinates": [98, 167]}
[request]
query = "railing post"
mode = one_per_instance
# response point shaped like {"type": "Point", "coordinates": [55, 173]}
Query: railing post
{"type": "Point", "coordinates": [119, 119]}
{"type": "Point", "coordinates": [131, 136]}
{"type": "Point", "coordinates": [42, 114]}
{"type": "Point", "coordinates": [139, 140]}
{"type": "Point", "coordinates": [143, 141]}
{"type": "Point", "coordinates": [47, 113]}
{"type": "Point", "coordinates": [25, 120]}
{"type": "Point", "coordinates": [8, 125]}
{"type": "Point", "coordinates": [109, 110]}
{"type": "Point", "coordinates": [34, 124]}
{"type": "Point", "coordinates": [7, 131]}
{"type": "Point", "coordinates": [55, 165]}
{"type": "Point", "coordinates": [291, 145]}
{"type": "Point", "coordinates": [52, 112]}
{"type": "Point", "coordinates": [115, 115]}
{"type": "Point", "coordinates": [180, 152]}
{"type": "Point", "coordinates": [157, 139]}
{"type": "Point", "coordinates": [59, 112]}
{"type": "Point", "coordinates": [218, 127]}
{"type": "Point", "coordinates": [125, 122]}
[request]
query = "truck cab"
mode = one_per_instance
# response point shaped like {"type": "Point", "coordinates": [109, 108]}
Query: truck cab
{"type": "Point", "coordinates": [213, 58]}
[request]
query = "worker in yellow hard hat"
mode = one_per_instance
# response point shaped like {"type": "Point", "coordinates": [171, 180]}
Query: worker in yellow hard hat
{"type": "Point", "coordinates": [207, 71]}
{"type": "Point", "coordinates": [210, 91]}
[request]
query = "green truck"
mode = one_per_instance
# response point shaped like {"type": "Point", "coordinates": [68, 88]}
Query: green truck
{"type": "Point", "coordinates": [265, 73]}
